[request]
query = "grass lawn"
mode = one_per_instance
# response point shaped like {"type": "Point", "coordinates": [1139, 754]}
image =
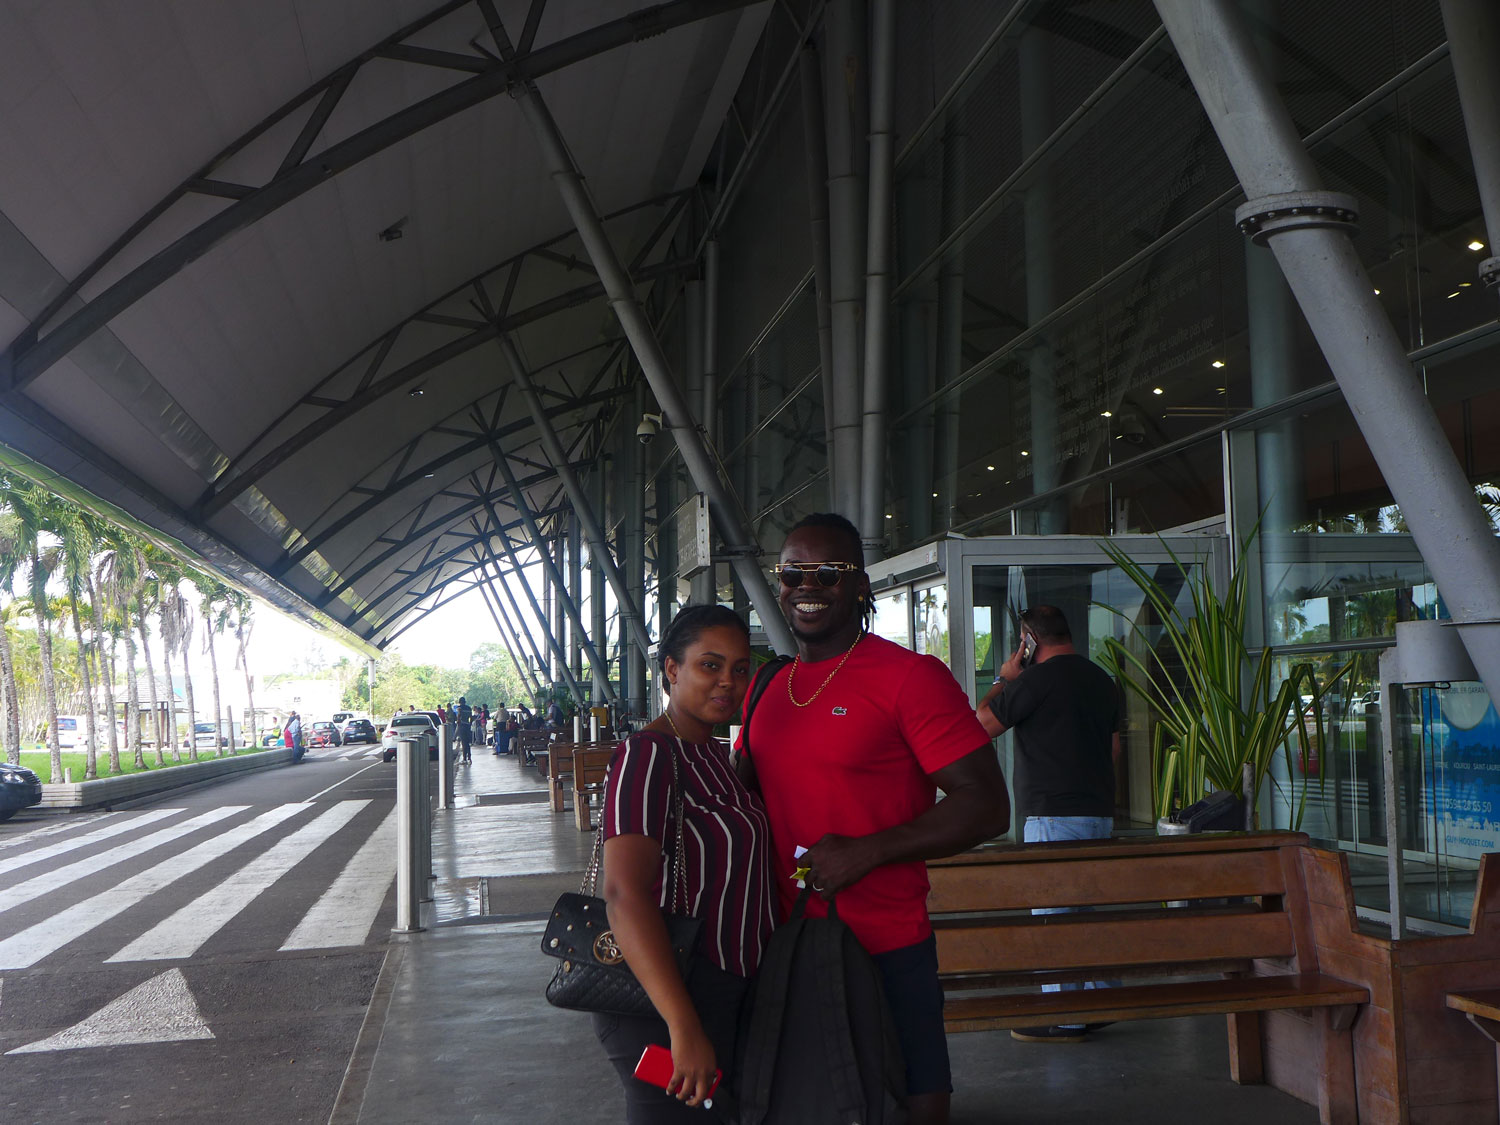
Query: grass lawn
{"type": "Point", "coordinates": [41, 762]}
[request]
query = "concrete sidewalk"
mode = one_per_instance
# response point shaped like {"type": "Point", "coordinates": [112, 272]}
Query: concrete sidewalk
{"type": "Point", "coordinates": [458, 1029]}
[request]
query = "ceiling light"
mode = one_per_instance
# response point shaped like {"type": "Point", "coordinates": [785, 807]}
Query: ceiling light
{"type": "Point", "coordinates": [1106, 413]}
{"type": "Point", "coordinates": [1156, 390]}
{"type": "Point", "coordinates": [934, 495]}
{"type": "Point", "coordinates": [427, 475]}
{"type": "Point", "coordinates": [1476, 245]}
{"type": "Point", "coordinates": [1223, 390]}
{"type": "Point", "coordinates": [1453, 294]}
{"type": "Point", "coordinates": [1465, 284]}
{"type": "Point", "coordinates": [1025, 453]}
{"type": "Point", "coordinates": [889, 516]}
{"type": "Point", "coordinates": [416, 392]}
{"type": "Point", "coordinates": [990, 468]}
{"type": "Point", "coordinates": [1377, 292]}
{"type": "Point", "coordinates": [1218, 363]}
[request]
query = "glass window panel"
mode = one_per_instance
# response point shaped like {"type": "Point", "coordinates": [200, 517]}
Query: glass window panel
{"type": "Point", "coordinates": [893, 616]}
{"type": "Point", "coordinates": [930, 609]}
{"type": "Point", "coordinates": [1315, 600]}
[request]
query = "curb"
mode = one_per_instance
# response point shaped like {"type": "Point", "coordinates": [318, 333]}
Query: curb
{"type": "Point", "coordinates": [113, 791]}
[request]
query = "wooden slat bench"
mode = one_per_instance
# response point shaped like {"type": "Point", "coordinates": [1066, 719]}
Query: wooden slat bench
{"type": "Point", "coordinates": [560, 769]}
{"type": "Point", "coordinates": [1186, 925]}
{"type": "Point", "coordinates": [590, 763]}
{"type": "Point", "coordinates": [530, 743]}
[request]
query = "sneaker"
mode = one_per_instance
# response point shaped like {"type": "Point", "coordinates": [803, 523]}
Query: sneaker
{"type": "Point", "coordinates": [1049, 1034]}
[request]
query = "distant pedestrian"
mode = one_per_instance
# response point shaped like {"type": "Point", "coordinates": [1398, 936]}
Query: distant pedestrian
{"type": "Point", "coordinates": [465, 715]}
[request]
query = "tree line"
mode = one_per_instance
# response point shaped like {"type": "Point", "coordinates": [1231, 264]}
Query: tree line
{"type": "Point", "coordinates": [115, 585]}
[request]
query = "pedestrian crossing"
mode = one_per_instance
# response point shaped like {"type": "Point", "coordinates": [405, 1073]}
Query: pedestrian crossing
{"type": "Point", "coordinates": [252, 851]}
{"type": "Point", "coordinates": [349, 754]}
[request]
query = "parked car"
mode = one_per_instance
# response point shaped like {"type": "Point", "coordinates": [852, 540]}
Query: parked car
{"type": "Point", "coordinates": [324, 734]}
{"type": "Point", "coordinates": [360, 730]}
{"type": "Point", "coordinates": [404, 724]}
{"type": "Point", "coordinates": [68, 732]}
{"type": "Point", "coordinates": [20, 788]}
{"type": "Point", "coordinates": [205, 738]}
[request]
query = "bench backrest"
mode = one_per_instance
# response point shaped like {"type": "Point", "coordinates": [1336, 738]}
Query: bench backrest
{"type": "Point", "coordinates": [1161, 902]}
{"type": "Point", "coordinates": [590, 764]}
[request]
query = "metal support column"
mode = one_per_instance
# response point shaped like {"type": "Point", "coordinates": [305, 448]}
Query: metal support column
{"type": "Point", "coordinates": [876, 455]}
{"type": "Point", "coordinates": [846, 124]}
{"type": "Point", "coordinates": [575, 588]}
{"type": "Point", "coordinates": [583, 511]}
{"type": "Point", "coordinates": [518, 499]}
{"type": "Point", "coordinates": [815, 150]}
{"type": "Point", "coordinates": [1473, 28]}
{"type": "Point", "coordinates": [1034, 64]}
{"type": "Point", "coordinates": [710, 402]}
{"type": "Point", "coordinates": [1306, 229]}
{"type": "Point", "coordinates": [950, 329]}
{"type": "Point", "coordinates": [740, 544]}
{"type": "Point", "coordinates": [600, 633]}
{"type": "Point", "coordinates": [633, 552]}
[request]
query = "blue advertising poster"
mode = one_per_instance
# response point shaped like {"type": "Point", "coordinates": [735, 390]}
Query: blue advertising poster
{"type": "Point", "coordinates": [1463, 774]}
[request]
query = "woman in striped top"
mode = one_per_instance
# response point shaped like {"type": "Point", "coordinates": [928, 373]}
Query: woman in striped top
{"type": "Point", "coordinates": [705, 664]}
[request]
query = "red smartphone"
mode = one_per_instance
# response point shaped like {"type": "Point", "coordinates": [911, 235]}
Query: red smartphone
{"type": "Point", "coordinates": [655, 1067]}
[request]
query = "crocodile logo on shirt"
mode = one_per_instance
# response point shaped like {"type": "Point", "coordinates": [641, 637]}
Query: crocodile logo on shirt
{"type": "Point", "coordinates": [841, 710]}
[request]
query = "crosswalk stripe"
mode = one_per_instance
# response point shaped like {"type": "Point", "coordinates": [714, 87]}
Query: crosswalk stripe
{"type": "Point", "coordinates": [345, 913]}
{"type": "Point", "coordinates": [185, 931]}
{"type": "Point", "coordinates": [24, 949]}
{"type": "Point", "coordinates": [114, 828]}
{"type": "Point", "coordinates": [49, 881]}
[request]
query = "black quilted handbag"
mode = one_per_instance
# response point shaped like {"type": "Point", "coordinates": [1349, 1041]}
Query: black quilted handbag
{"type": "Point", "coordinates": [592, 975]}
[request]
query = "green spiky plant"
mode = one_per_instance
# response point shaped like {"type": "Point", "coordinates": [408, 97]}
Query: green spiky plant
{"type": "Point", "coordinates": [1223, 709]}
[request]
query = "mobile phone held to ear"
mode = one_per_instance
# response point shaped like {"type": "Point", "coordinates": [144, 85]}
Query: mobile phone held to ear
{"type": "Point", "coordinates": [655, 1067]}
{"type": "Point", "coordinates": [1028, 649]}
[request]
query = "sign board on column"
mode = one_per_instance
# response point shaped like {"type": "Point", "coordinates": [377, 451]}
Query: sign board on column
{"type": "Point", "coordinates": [693, 552]}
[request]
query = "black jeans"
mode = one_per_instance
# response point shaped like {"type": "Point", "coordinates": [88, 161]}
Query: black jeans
{"type": "Point", "coordinates": [718, 996]}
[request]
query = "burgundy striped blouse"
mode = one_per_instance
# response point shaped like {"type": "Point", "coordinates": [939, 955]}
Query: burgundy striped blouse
{"type": "Point", "coordinates": [725, 836]}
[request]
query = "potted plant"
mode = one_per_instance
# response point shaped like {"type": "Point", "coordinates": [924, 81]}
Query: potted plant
{"type": "Point", "coordinates": [1219, 711]}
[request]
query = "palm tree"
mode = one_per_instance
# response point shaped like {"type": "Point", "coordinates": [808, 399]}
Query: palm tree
{"type": "Point", "coordinates": [12, 551]}
{"type": "Point", "coordinates": [144, 594]}
{"type": "Point", "coordinates": [33, 507]}
{"type": "Point", "coordinates": [244, 610]}
{"type": "Point", "coordinates": [119, 576]}
{"type": "Point", "coordinates": [214, 605]}
{"type": "Point", "coordinates": [177, 635]}
{"type": "Point", "coordinates": [99, 536]}
{"type": "Point", "coordinates": [75, 546]}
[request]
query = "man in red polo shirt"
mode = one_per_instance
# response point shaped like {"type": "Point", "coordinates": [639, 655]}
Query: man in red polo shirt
{"type": "Point", "coordinates": [850, 743]}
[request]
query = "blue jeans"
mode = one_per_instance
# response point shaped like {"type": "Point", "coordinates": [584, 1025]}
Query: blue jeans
{"type": "Point", "coordinates": [1041, 829]}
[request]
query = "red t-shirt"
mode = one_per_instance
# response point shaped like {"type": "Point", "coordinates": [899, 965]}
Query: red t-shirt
{"type": "Point", "coordinates": [855, 762]}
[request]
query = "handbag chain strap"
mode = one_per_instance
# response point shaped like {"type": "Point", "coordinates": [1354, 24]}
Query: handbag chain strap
{"type": "Point", "coordinates": [677, 872]}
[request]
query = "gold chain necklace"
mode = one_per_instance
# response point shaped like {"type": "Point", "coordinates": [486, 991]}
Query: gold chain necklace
{"type": "Point", "coordinates": [668, 713]}
{"type": "Point", "coordinates": [796, 660]}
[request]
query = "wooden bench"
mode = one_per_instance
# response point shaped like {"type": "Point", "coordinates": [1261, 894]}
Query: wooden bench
{"type": "Point", "coordinates": [1186, 925]}
{"type": "Point", "coordinates": [590, 764]}
{"type": "Point", "coordinates": [560, 769]}
{"type": "Point", "coordinates": [527, 744]}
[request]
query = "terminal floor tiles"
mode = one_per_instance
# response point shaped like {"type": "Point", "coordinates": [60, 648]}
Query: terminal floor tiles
{"type": "Point", "coordinates": [464, 1034]}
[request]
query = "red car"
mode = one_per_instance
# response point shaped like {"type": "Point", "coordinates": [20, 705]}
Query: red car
{"type": "Point", "coordinates": [324, 734]}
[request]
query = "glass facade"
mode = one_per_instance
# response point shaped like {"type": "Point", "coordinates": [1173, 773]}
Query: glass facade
{"type": "Point", "coordinates": [1083, 344]}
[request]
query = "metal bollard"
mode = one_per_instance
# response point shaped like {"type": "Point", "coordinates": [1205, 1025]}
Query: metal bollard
{"type": "Point", "coordinates": [445, 768]}
{"type": "Point", "coordinates": [408, 836]}
{"type": "Point", "coordinates": [429, 741]}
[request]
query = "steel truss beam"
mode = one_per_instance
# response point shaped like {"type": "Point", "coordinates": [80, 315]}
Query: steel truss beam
{"type": "Point", "coordinates": [221, 495]}
{"type": "Point", "coordinates": [32, 353]}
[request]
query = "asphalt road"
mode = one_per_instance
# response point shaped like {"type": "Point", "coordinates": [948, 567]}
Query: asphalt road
{"type": "Point", "coordinates": [206, 957]}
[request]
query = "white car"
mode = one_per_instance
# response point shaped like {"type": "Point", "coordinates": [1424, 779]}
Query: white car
{"type": "Point", "coordinates": [404, 724]}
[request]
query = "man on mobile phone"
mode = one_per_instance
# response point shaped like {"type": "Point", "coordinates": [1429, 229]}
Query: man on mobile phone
{"type": "Point", "coordinates": [1065, 711]}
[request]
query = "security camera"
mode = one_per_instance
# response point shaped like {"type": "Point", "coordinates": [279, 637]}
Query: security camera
{"type": "Point", "coordinates": [650, 426]}
{"type": "Point", "coordinates": [1133, 428]}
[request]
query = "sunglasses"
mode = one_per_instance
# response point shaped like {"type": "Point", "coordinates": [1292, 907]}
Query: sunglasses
{"type": "Point", "coordinates": [793, 575]}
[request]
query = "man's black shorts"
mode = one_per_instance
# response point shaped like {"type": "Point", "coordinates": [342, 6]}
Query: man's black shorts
{"type": "Point", "coordinates": [910, 977]}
